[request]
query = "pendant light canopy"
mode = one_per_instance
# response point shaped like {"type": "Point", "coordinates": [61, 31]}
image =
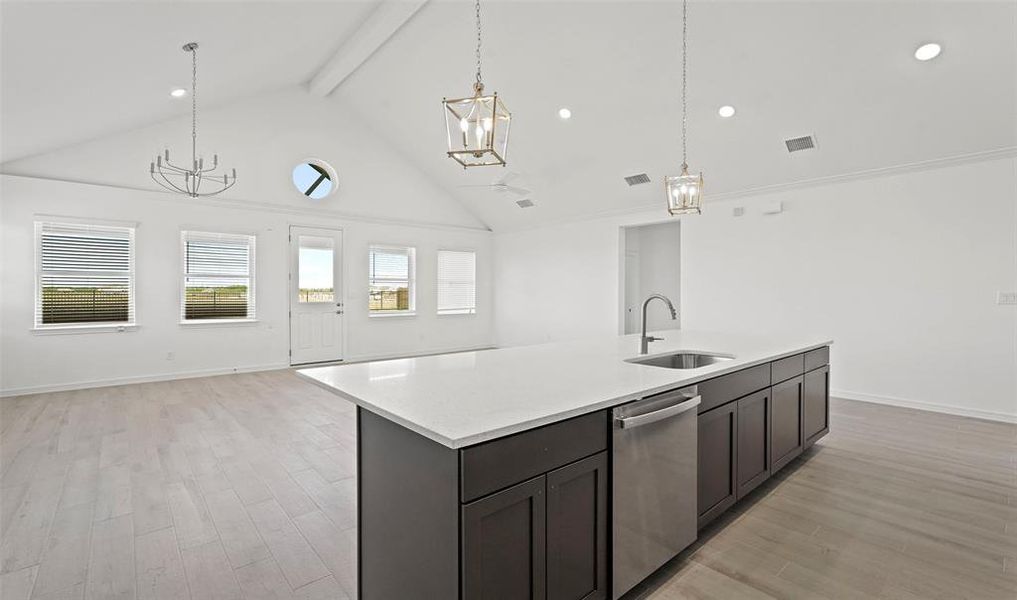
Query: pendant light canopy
{"type": "Point", "coordinates": [684, 191]}
{"type": "Point", "coordinates": [477, 126]}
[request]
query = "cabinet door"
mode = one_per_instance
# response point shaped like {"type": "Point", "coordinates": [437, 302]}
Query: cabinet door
{"type": "Point", "coordinates": [717, 475]}
{"type": "Point", "coordinates": [577, 530]}
{"type": "Point", "coordinates": [753, 441]}
{"type": "Point", "coordinates": [504, 544]}
{"type": "Point", "coordinates": [817, 404]}
{"type": "Point", "coordinates": [787, 430]}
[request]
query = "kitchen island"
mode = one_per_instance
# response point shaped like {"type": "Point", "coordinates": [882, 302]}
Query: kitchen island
{"type": "Point", "coordinates": [487, 474]}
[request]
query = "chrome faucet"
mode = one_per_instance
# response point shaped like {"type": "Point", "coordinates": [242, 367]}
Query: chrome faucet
{"type": "Point", "coordinates": [644, 341]}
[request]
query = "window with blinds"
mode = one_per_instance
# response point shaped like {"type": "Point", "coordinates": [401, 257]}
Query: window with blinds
{"type": "Point", "coordinates": [457, 282]}
{"type": "Point", "coordinates": [84, 275]}
{"type": "Point", "coordinates": [218, 277]}
{"type": "Point", "coordinates": [390, 279]}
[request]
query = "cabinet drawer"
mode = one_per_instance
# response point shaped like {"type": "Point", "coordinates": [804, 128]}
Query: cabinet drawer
{"type": "Point", "coordinates": [786, 368]}
{"type": "Point", "coordinates": [817, 358]}
{"type": "Point", "coordinates": [722, 390]}
{"type": "Point", "coordinates": [497, 464]}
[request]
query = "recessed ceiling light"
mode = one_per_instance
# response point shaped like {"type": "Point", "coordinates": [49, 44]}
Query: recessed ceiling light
{"type": "Point", "coordinates": [564, 113]}
{"type": "Point", "coordinates": [928, 51]}
{"type": "Point", "coordinates": [178, 93]}
{"type": "Point", "coordinates": [726, 111]}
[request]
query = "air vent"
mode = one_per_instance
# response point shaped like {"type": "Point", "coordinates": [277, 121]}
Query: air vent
{"type": "Point", "coordinates": [806, 142]}
{"type": "Point", "coordinates": [525, 203]}
{"type": "Point", "coordinates": [637, 179]}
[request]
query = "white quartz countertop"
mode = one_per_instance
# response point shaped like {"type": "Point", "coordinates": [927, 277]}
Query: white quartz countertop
{"type": "Point", "coordinates": [465, 398]}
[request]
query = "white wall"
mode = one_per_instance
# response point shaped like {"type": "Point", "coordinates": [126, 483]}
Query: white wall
{"type": "Point", "coordinates": [657, 257]}
{"type": "Point", "coordinates": [901, 270]}
{"type": "Point", "coordinates": [36, 362]}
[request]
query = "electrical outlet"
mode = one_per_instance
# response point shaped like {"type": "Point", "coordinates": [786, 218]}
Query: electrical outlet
{"type": "Point", "coordinates": [1006, 298]}
{"type": "Point", "coordinates": [738, 211]}
{"type": "Point", "coordinates": [170, 356]}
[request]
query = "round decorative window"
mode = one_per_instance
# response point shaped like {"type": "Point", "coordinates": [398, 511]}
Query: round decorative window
{"type": "Point", "coordinates": [314, 179]}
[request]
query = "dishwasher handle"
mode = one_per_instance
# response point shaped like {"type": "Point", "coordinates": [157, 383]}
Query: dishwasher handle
{"type": "Point", "coordinates": [659, 415]}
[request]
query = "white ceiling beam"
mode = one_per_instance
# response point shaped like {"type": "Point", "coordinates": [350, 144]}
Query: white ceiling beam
{"type": "Point", "coordinates": [379, 27]}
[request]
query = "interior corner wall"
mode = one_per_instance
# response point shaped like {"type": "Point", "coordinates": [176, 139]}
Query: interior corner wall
{"type": "Point", "coordinates": [900, 270]}
{"type": "Point", "coordinates": [31, 362]}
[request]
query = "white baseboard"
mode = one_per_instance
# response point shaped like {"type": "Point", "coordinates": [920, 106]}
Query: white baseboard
{"type": "Point", "coordinates": [97, 383]}
{"type": "Point", "coordinates": [939, 408]}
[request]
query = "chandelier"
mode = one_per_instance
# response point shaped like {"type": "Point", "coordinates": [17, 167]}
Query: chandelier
{"type": "Point", "coordinates": [684, 191]}
{"type": "Point", "coordinates": [189, 180]}
{"type": "Point", "coordinates": [477, 126]}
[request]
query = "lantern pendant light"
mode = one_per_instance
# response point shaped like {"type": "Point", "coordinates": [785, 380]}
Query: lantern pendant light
{"type": "Point", "coordinates": [477, 126]}
{"type": "Point", "coordinates": [684, 191]}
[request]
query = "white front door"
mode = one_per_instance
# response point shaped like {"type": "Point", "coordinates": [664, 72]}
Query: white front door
{"type": "Point", "coordinates": [316, 299]}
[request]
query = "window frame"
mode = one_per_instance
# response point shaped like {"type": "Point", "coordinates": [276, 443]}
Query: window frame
{"type": "Point", "coordinates": [39, 223]}
{"type": "Point", "coordinates": [437, 284]}
{"type": "Point", "coordinates": [252, 289]}
{"type": "Point", "coordinates": [411, 281]}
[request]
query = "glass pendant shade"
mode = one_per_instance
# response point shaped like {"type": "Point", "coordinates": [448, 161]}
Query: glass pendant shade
{"type": "Point", "coordinates": [478, 129]}
{"type": "Point", "coordinates": [684, 193]}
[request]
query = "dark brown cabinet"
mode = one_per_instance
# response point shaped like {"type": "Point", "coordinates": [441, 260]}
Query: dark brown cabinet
{"type": "Point", "coordinates": [753, 465]}
{"type": "Point", "coordinates": [504, 543]}
{"type": "Point", "coordinates": [718, 451]}
{"type": "Point", "coordinates": [786, 431]}
{"type": "Point", "coordinates": [577, 530]}
{"type": "Point", "coordinates": [817, 404]}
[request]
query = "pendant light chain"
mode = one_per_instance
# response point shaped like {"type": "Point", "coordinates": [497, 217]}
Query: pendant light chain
{"type": "Point", "coordinates": [685, 110]}
{"type": "Point", "coordinates": [480, 79]}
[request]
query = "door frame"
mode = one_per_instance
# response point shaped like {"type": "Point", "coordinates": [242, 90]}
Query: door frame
{"type": "Point", "coordinates": [292, 265]}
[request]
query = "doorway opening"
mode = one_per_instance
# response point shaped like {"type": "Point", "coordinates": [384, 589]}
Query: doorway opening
{"type": "Point", "coordinates": [651, 265]}
{"type": "Point", "coordinates": [316, 295]}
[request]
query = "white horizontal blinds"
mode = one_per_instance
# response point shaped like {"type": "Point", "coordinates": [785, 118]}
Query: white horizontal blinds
{"type": "Point", "coordinates": [390, 272]}
{"type": "Point", "coordinates": [85, 274]}
{"type": "Point", "coordinates": [218, 276]}
{"type": "Point", "coordinates": [457, 282]}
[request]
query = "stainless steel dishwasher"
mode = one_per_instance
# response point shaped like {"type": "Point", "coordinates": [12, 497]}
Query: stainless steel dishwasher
{"type": "Point", "coordinates": [654, 491]}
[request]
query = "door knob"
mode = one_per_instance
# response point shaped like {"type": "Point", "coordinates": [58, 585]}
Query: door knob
{"type": "Point", "coordinates": [338, 312]}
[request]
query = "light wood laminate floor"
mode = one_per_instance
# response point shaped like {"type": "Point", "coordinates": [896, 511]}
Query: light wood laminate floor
{"type": "Point", "coordinates": [243, 487]}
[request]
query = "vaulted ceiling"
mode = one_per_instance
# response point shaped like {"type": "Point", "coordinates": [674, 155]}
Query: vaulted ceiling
{"type": "Point", "coordinates": [842, 70]}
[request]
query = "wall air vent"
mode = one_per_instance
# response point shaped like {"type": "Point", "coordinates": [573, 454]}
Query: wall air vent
{"type": "Point", "coordinates": [637, 179]}
{"type": "Point", "coordinates": [806, 142]}
{"type": "Point", "coordinates": [525, 203]}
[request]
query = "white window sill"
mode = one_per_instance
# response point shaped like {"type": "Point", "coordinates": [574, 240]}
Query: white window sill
{"type": "Point", "coordinates": [457, 313]}
{"type": "Point", "coordinates": [393, 314]}
{"type": "Point", "coordinates": [202, 323]}
{"type": "Point", "coordinates": [77, 329]}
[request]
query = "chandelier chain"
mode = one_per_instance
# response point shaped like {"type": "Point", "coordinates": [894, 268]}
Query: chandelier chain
{"type": "Point", "coordinates": [480, 79]}
{"type": "Point", "coordinates": [194, 104]}
{"type": "Point", "coordinates": [685, 49]}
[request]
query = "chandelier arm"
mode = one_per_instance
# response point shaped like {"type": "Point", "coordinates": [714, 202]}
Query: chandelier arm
{"type": "Point", "coordinates": [219, 191]}
{"type": "Point", "coordinates": [174, 167]}
{"type": "Point", "coordinates": [169, 185]}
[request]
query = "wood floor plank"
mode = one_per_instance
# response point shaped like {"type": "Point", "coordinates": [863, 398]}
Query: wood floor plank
{"type": "Point", "coordinates": [336, 548]}
{"type": "Point", "coordinates": [209, 575]}
{"type": "Point", "coordinates": [298, 561]}
{"type": "Point", "coordinates": [240, 538]}
{"type": "Point", "coordinates": [111, 564]}
{"type": "Point", "coordinates": [64, 562]}
{"type": "Point", "coordinates": [263, 580]}
{"type": "Point", "coordinates": [17, 585]}
{"type": "Point", "coordinates": [191, 520]}
{"type": "Point", "coordinates": [159, 566]}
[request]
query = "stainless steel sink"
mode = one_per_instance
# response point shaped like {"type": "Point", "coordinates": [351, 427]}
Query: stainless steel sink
{"type": "Point", "coordinates": [681, 360]}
